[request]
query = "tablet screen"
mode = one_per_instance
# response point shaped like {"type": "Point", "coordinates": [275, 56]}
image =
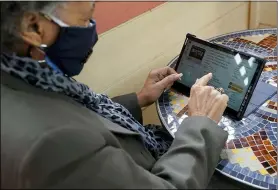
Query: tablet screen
{"type": "Point", "coordinates": [231, 71]}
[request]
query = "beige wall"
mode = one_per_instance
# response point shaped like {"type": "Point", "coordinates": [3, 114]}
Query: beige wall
{"type": "Point", "coordinates": [263, 14]}
{"type": "Point", "coordinates": [124, 55]}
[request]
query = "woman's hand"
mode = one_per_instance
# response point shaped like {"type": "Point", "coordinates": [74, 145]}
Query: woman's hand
{"type": "Point", "coordinates": [206, 101]}
{"type": "Point", "coordinates": [157, 81]}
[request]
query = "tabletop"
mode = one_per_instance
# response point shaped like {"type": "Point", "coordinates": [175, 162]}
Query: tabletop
{"type": "Point", "coordinates": [250, 153]}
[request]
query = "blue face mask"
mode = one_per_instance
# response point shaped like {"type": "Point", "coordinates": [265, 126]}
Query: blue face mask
{"type": "Point", "coordinates": [72, 48]}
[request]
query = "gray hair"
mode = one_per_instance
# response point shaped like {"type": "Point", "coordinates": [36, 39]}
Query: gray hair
{"type": "Point", "coordinates": [11, 16]}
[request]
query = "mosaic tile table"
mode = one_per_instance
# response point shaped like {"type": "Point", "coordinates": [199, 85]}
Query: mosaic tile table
{"type": "Point", "coordinates": [250, 154]}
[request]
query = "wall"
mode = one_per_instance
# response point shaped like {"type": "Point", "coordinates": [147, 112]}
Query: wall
{"type": "Point", "coordinates": [263, 14]}
{"type": "Point", "coordinates": [112, 14]}
{"type": "Point", "coordinates": [125, 54]}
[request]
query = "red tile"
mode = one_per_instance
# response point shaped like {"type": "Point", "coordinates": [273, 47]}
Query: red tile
{"type": "Point", "coordinates": [259, 142]}
{"type": "Point", "coordinates": [272, 162]}
{"type": "Point", "coordinates": [250, 138]}
{"type": "Point", "coordinates": [261, 147]}
{"type": "Point", "coordinates": [268, 42]}
{"type": "Point", "coordinates": [270, 171]}
{"type": "Point", "coordinates": [265, 164]}
{"type": "Point", "coordinates": [245, 144]}
{"type": "Point", "coordinates": [264, 152]}
{"type": "Point", "coordinates": [183, 111]}
{"type": "Point", "coordinates": [267, 142]}
{"type": "Point", "coordinates": [252, 143]}
{"type": "Point", "coordinates": [261, 159]}
{"type": "Point", "coordinates": [256, 134]}
{"type": "Point", "coordinates": [257, 138]}
{"type": "Point", "coordinates": [245, 41]}
{"type": "Point", "coordinates": [270, 106]}
{"type": "Point", "coordinates": [231, 145]}
{"type": "Point", "coordinates": [243, 140]}
{"type": "Point", "coordinates": [273, 153]}
{"type": "Point", "coordinates": [257, 153]}
{"type": "Point", "coordinates": [271, 103]}
{"type": "Point", "coordinates": [274, 67]}
{"type": "Point", "coordinates": [269, 148]}
{"type": "Point", "coordinates": [267, 157]}
{"type": "Point", "coordinates": [255, 148]}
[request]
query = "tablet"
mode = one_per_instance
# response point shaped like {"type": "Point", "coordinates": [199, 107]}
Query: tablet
{"type": "Point", "coordinates": [236, 72]}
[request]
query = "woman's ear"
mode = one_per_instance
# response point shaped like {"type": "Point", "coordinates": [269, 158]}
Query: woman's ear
{"type": "Point", "coordinates": [31, 29]}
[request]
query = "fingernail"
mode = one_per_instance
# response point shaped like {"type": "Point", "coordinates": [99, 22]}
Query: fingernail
{"type": "Point", "coordinates": [180, 75]}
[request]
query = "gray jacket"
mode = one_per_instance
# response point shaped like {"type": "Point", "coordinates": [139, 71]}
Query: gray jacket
{"type": "Point", "coordinates": [50, 141]}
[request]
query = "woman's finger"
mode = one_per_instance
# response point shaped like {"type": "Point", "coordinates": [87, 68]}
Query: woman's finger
{"type": "Point", "coordinates": [167, 81]}
{"type": "Point", "coordinates": [204, 80]}
{"type": "Point", "coordinates": [218, 107]}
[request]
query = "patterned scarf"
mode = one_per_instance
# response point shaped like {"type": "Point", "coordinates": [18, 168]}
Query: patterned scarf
{"type": "Point", "coordinates": [155, 138]}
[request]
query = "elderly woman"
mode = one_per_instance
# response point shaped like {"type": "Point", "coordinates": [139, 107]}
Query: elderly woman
{"type": "Point", "coordinates": [58, 133]}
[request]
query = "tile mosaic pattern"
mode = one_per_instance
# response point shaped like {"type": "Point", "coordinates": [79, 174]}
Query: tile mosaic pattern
{"type": "Point", "coordinates": [269, 42]}
{"type": "Point", "coordinates": [250, 154]}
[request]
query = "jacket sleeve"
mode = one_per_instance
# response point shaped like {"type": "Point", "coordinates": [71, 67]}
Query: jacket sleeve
{"type": "Point", "coordinates": [130, 102]}
{"type": "Point", "coordinates": [80, 159]}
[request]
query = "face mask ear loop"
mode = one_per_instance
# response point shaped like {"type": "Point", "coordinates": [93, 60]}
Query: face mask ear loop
{"type": "Point", "coordinates": [37, 53]}
{"type": "Point", "coordinates": [42, 47]}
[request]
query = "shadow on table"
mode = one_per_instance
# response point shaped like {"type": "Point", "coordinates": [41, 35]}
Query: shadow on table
{"type": "Point", "coordinates": [220, 181]}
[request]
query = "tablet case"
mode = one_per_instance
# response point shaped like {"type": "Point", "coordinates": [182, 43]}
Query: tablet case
{"type": "Point", "coordinates": [261, 94]}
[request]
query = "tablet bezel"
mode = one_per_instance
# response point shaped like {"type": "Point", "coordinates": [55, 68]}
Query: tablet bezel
{"type": "Point", "coordinates": [238, 115]}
